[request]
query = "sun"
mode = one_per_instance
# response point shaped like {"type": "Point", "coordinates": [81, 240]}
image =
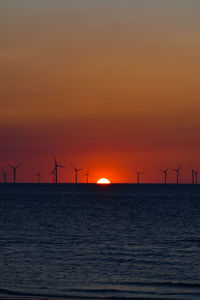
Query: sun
{"type": "Point", "coordinates": [103, 181]}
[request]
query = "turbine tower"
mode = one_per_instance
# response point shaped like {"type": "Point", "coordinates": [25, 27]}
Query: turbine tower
{"type": "Point", "coordinates": [76, 173]}
{"type": "Point", "coordinates": [138, 175]}
{"type": "Point", "coordinates": [4, 173]}
{"type": "Point", "coordinates": [14, 171]}
{"type": "Point", "coordinates": [38, 177]}
{"type": "Point", "coordinates": [87, 175]}
{"type": "Point", "coordinates": [177, 173]}
{"type": "Point", "coordinates": [56, 166]}
{"type": "Point", "coordinates": [165, 171]}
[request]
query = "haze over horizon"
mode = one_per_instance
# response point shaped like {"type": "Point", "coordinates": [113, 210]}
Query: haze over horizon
{"type": "Point", "coordinates": [109, 85]}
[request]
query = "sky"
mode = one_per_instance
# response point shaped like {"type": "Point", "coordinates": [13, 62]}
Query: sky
{"type": "Point", "coordinates": [108, 85]}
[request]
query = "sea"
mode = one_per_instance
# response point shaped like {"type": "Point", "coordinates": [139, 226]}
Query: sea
{"type": "Point", "coordinates": [88, 241]}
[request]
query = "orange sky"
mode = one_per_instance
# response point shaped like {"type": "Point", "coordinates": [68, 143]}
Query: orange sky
{"type": "Point", "coordinates": [108, 85]}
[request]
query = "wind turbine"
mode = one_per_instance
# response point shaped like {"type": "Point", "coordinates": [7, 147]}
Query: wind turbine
{"type": "Point", "coordinates": [177, 173]}
{"type": "Point", "coordinates": [4, 175]}
{"type": "Point", "coordinates": [56, 166]}
{"type": "Point", "coordinates": [38, 176]}
{"type": "Point", "coordinates": [87, 175]}
{"type": "Point", "coordinates": [193, 175]}
{"type": "Point", "coordinates": [14, 171]}
{"type": "Point", "coordinates": [76, 173]}
{"type": "Point", "coordinates": [138, 175]}
{"type": "Point", "coordinates": [165, 171]}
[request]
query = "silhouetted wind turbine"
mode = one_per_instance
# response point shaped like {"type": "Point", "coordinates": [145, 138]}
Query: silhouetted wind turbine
{"type": "Point", "coordinates": [14, 171]}
{"type": "Point", "coordinates": [38, 177]}
{"type": "Point", "coordinates": [193, 175]}
{"type": "Point", "coordinates": [165, 171]}
{"type": "Point", "coordinates": [87, 175]}
{"type": "Point", "coordinates": [138, 175]}
{"type": "Point", "coordinates": [4, 175]}
{"type": "Point", "coordinates": [76, 173]}
{"type": "Point", "coordinates": [56, 166]}
{"type": "Point", "coordinates": [177, 173]}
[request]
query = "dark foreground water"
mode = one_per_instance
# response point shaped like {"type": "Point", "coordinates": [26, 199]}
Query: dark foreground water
{"type": "Point", "coordinates": [89, 241]}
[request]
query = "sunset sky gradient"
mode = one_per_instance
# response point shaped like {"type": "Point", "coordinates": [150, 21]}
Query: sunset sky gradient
{"type": "Point", "coordinates": [108, 85]}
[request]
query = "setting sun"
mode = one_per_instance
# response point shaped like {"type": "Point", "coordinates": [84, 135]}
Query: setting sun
{"type": "Point", "coordinates": [103, 181]}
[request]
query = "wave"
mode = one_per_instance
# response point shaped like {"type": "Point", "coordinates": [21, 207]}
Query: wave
{"type": "Point", "coordinates": [33, 296]}
{"type": "Point", "coordinates": [161, 284]}
{"type": "Point", "coordinates": [187, 289]}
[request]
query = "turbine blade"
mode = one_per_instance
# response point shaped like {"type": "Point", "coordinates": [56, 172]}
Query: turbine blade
{"type": "Point", "coordinates": [54, 158]}
{"type": "Point", "coordinates": [73, 167]}
{"type": "Point", "coordinates": [60, 166]}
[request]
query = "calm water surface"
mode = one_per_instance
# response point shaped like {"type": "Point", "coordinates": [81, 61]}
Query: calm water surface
{"type": "Point", "coordinates": [89, 241]}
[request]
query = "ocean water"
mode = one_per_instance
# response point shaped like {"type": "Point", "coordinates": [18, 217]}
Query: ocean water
{"type": "Point", "coordinates": [89, 241]}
